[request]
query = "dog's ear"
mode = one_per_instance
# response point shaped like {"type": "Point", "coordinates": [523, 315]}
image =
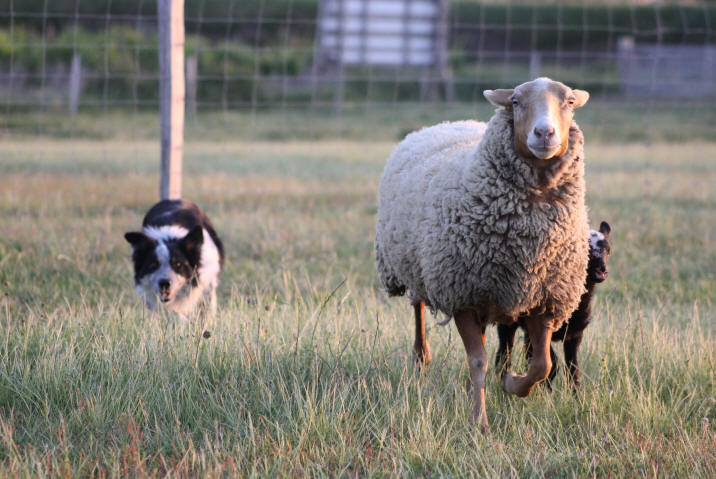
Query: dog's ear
{"type": "Point", "coordinates": [194, 239]}
{"type": "Point", "coordinates": [135, 239]}
{"type": "Point", "coordinates": [605, 229]}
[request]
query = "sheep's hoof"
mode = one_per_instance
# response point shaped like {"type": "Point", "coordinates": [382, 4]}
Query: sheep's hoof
{"type": "Point", "coordinates": [479, 419]}
{"type": "Point", "coordinates": [484, 426]}
{"type": "Point", "coordinates": [421, 356]}
{"type": "Point", "coordinates": [511, 383]}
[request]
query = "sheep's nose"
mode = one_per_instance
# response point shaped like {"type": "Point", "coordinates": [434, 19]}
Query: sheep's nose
{"type": "Point", "coordinates": [163, 284]}
{"type": "Point", "coordinates": [545, 132]}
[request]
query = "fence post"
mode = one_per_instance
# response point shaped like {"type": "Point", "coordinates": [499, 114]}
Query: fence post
{"type": "Point", "coordinates": [171, 95]}
{"type": "Point", "coordinates": [535, 65]}
{"type": "Point", "coordinates": [75, 83]}
{"type": "Point", "coordinates": [192, 76]}
{"type": "Point", "coordinates": [443, 49]}
{"type": "Point", "coordinates": [339, 93]}
{"type": "Point", "coordinates": [625, 61]}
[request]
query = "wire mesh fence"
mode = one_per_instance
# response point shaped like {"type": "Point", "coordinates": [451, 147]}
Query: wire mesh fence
{"type": "Point", "coordinates": [256, 68]}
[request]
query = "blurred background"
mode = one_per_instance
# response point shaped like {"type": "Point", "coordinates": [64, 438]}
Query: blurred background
{"type": "Point", "coordinates": [356, 68]}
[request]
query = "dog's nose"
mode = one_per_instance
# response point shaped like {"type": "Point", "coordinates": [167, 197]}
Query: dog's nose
{"type": "Point", "coordinates": [164, 284]}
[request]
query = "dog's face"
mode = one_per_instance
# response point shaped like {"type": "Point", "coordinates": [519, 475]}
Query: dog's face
{"type": "Point", "coordinates": [162, 267]}
{"type": "Point", "coordinates": [599, 251]}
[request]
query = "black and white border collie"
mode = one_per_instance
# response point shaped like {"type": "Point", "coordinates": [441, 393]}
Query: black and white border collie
{"type": "Point", "coordinates": [177, 258]}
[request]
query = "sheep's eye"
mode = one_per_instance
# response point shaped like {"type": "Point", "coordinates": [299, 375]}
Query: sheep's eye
{"type": "Point", "coordinates": [514, 102]}
{"type": "Point", "coordinates": [571, 101]}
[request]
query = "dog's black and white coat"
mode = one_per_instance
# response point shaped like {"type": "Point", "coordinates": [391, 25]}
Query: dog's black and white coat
{"type": "Point", "coordinates": [177, 258]}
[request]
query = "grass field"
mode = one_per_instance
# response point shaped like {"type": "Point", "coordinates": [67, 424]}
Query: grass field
{"type": "Point", "coordinates": [308, 368]}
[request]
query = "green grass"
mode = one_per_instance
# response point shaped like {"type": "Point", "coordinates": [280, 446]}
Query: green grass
{"type": "Point", "coordinates": [636, 120]}
{"type": "Point", "coordinates": [308, 368]}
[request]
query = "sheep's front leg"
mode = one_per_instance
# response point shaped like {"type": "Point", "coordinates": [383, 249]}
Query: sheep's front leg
{"type": "Point", "coordinates": [421, 350]}
{"type": "Point", "coordinates": [540, 365]}
{"type": "Point", "coordinates": [552, 356]}
{"type": "Point", "coordinates": [473, 337]}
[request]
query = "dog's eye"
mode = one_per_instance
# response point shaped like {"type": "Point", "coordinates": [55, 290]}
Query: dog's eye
{"type": "Point", "coordinates": [176, 264]}
{"type": "Point", "coordinates": [154, 265]}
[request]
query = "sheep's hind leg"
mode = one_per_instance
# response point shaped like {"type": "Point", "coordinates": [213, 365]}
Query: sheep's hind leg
{"type": "Point", "coordinates": [541, 362]}
{"type": "Point", "coordinates": [421, 350]}
{"type": "Point", "coordinates": [473, 337]}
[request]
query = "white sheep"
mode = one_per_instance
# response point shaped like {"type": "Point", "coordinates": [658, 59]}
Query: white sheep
{"type": "Point", "coordinates": [487, 222]}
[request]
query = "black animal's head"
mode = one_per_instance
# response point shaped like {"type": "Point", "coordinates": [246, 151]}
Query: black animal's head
{"type": "Point", "coordinates": [599, 251]}
{"type": "Point", "coordinates": [165, 262]}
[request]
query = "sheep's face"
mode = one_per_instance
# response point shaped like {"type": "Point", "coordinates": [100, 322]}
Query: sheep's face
{"type": "Point", "coordinates": [542, 111]}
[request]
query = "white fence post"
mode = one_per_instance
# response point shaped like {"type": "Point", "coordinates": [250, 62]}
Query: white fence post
{"type": "Point", "coordinates": [171, 95]}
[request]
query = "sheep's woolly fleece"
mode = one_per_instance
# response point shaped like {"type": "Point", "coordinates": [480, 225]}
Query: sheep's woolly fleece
{"type": "Point", "coordinates": [464, 222]}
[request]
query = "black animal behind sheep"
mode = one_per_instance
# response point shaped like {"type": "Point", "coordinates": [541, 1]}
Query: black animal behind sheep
{"type": "Point", "coordinates": [571, 332]}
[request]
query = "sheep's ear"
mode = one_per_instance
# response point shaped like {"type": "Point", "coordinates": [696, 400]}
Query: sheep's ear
{"type": "Point", "coordinates": [605, 229]}
{"type": "Point", "coordinates": [580, 98]}
{"type": "Point", "coordinates": [499, 97]}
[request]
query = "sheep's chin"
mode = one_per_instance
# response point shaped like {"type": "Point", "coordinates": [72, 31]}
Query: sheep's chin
{"type": "Point", "coordinates": [544, 153]}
